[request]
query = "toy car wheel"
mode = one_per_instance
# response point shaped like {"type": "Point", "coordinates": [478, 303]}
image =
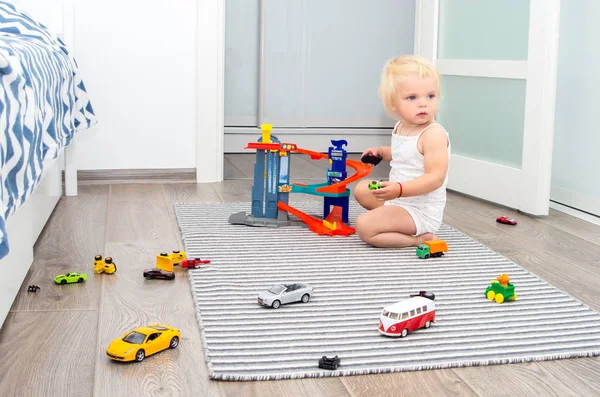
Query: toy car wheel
{"type": "Point", "coordinates": [275, 304]}
{"type": "Point", "coordinates": [305, 298]}
{"type": "Point", "coordinates": [63, 281]}
{"type": "Point", "coordinates": [499, 298]}
{"type": "Point", "coordinates": [174, 342]}
{"type": "Point", "coordinates": [514, 297]}
{"type": "Point", "coordinates": [427, 256]}
{"type": "Point", "coordinates": [428, 324]}
{"type": "Point", "coordinates": [80, 280]}
{"type": "Point", "coordinates": [404, 333]}
{"type": "Point", "coordinates": [140, 355]}
{"type": "Point", "coordinates": [491, 295]}
{"type": "Point", "coordinates": [148, 277]}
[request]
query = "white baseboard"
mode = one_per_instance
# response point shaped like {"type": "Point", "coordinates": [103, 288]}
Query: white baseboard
{"type": "Point", "coordinates": [166, 175]}
{"type": "Point", "coordinates": [576, 213]}
{"type": "Point", "coordinates": [236, 138]}
{"type": "Point", "coordinates": [575, 200]}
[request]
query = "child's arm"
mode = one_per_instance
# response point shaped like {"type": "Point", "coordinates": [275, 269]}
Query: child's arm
{"type": "Point", "coordinates": [435, 153]}
{"type": "Point", "coordinates": [386, 153]}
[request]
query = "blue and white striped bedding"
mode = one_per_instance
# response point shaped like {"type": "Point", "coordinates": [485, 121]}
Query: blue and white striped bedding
{"type": "Point", "coordinates": [43, 102]}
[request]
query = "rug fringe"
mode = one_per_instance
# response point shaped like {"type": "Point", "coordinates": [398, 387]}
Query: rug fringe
{"type": "Point", "coordinates": [341, 372]}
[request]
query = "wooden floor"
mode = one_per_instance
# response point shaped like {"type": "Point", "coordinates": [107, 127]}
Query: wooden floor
{"type": "Point", "coordinates": [53, 342]}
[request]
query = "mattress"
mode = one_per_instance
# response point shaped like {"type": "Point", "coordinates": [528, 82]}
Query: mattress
{"type": "Point", "coordinates": [43, 103]}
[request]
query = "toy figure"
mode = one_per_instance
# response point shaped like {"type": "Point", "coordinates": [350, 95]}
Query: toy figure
{"type": "Point", "coordinates": [105, 265]}
{"type": "Point", "coordinates": [501, 289]}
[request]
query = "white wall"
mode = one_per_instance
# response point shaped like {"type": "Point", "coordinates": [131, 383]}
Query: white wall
{"type": "Point", "coordinates": [154, 73]}
{"type": "Point", "coordinates": [575, 161]}
{"type": "Point", "coordinates": [138, 61]}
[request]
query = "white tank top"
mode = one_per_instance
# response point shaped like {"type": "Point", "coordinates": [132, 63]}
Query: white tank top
{"type": "Point", "coordinates": [408, 164]}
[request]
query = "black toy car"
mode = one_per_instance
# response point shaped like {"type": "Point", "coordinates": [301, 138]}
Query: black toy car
{"type": "Point", "coordinates": [329, 363]}
{"type": "Point", "coordinates": [370, 158]}
{"type": "Point", "coordinates": [149, 274]}
{"type": "Point", "coordinates": [424, 294]}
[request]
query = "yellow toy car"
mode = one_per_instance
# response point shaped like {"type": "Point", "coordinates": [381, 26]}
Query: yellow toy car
{"type": "Point", "coordinates": [105, 265]}
{"type": "Point", "coordinates": [142, 342]}
{"type": "Point", "coordinates": [166, 261]}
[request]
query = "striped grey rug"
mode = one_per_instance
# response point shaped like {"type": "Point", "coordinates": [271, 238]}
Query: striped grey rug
{"type": "Point", "coordinates": [352, 282]}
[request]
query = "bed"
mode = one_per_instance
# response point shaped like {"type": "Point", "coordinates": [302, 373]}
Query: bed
{"type": "Point", "coordinates": [43, 104]}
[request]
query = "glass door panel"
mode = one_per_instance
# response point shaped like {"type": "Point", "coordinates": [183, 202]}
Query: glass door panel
{"type": "Point", "coordinates": [485, 117]}
{"type": "Point", "coordinates": [323, 60]}
{"type": "Point", "coordinates": [483, 29]}
{"type": "Point", "coordinates": [241, 62]}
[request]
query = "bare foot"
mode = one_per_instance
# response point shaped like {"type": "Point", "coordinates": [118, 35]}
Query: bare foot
{"type": "Point", "coordinates": [425, 237]}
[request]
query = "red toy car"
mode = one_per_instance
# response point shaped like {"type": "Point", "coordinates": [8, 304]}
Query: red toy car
{"type": "Point", "coordinates": [506, 220]}
{"type": "Point", "coordinates": [193, 263]}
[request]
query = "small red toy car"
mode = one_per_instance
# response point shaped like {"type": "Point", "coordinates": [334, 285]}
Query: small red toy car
{"type": "Point", "coordinates": [506, 220]}
{"type": "Point", "coordinates": [193, 263]}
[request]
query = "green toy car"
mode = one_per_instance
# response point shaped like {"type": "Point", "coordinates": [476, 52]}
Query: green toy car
{"type": "Point", "coordinates": [501, 290]}
{"type": "Point", "coordinates": [374, 185]}
{"type": "Point", "coordinates": [71, 277]}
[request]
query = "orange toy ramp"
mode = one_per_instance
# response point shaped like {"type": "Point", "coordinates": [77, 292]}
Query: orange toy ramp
{"type": "Point", "coordinates": [361, 169]}
{"type": "Point", "coordinates": [331, 226]}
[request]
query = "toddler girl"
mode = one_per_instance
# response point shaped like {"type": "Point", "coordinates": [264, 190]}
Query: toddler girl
{"type": "Point", "coordinates": [408, 209]}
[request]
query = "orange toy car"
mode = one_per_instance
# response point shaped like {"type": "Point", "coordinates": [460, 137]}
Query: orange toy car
{"type": "Point", "coordinates": [432, 248]}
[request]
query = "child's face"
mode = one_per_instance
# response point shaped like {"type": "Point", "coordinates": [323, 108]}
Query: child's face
{"type": "Point", "coordinates": [416, 101]}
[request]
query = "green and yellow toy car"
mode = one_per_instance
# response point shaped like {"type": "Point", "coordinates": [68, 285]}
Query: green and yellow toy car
{"type": "Point", "coordinates": [501, 290]}
{"type": "Point", "coordinates": [71, 277]}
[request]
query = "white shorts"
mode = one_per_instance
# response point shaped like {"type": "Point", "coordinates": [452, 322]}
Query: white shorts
{"type": "Point", "coordinates": [426, 220]}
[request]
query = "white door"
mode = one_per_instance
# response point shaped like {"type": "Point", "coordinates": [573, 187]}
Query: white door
{"type": "Point", "coordinates": [498, 64]}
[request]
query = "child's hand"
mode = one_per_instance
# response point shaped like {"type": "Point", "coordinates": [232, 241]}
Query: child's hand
{"type": "Point", "coordinates": [375, 151]}
{"type": "Point", "coordinates": [388, 191]}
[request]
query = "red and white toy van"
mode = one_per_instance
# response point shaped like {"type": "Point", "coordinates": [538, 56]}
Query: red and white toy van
{"type": "Point", "coordinates": [400, 318]}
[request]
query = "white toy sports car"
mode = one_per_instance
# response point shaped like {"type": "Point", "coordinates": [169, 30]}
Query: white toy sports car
{"type": "Point", "coordinates": [281, 294]}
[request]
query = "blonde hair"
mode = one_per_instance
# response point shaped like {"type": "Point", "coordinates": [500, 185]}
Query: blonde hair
{"type": "Point", "coordinates": [396, 68]}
